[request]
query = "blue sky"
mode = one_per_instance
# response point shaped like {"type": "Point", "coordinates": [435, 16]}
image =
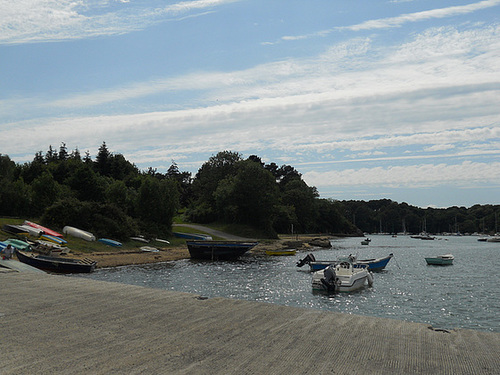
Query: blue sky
{"type": "Point", "coordinates": [394, 99]}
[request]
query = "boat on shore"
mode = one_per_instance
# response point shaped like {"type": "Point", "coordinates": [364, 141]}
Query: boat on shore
{"type": "Point", "coordinates": [218, 250]}
{"type": "Point", "coordinates": [79, 233]}
{"type": "Point", "coordinates": [373, 265]}
{"type": "Point", "coordinates": [56, 264]}
{"type": "Point", "coordinates": [110, 242]}
{"type": "Point", "coordinates": [343, 277]}
{"type": "Point", "coordinates": [17, 230]}
{"type": "Point", "coordinates": [440, 260]}
{"type": "Point", "coordinates": [43, 229]}
{"type": "Point", "coordinates": [193, 236]}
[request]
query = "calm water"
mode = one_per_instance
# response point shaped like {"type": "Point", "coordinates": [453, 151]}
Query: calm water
{"type": "Point", "coordinates": [464, 295]}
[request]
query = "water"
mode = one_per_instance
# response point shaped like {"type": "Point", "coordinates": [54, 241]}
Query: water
{"type": "Point", "coordinates": [464, 295]}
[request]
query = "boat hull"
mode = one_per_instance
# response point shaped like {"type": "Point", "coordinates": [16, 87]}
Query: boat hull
{"type": "Point", "coordinates": [439, 262]}
{"type": "Point", "coordinates": [218, 250]}
{"type": "Point", "coordinates": [79, 233]}
{"type": "Point", "coordinates": [358, 279]}
{"type": "Point", "coordinates": [55, 264]}
{"type": "Point", "coordinates": [281, 252]}
{"type": "Point", "coordinates": [374, 265]}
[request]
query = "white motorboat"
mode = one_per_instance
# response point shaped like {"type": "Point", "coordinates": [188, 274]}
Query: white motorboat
{"type": "Point", "coordinates": [343, 277]}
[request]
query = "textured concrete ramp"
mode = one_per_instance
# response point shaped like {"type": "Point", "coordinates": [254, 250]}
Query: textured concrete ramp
{"type": "Point", "coordinates": [66, 325]}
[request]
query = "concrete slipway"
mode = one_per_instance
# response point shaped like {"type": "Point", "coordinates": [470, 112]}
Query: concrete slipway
{"type": "Point", "coordinates": [53, 324]}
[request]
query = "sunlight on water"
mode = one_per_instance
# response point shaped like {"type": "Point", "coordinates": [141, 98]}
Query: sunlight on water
{"type": "Point", "coordinates": [464, 295]}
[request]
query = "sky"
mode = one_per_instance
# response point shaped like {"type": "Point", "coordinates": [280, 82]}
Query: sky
{"type": "Point", "coordinates": [368, 99]}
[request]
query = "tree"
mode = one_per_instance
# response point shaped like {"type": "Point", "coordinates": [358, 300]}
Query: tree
{"type": "Point", "coordinates": [102, 161]}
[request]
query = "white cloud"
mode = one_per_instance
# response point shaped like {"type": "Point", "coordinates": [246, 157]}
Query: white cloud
{"type": "Point", "coordinates": [391, 22]}
{"type": "Point", "coordinates": [422, 175]}
{"type": "Point", "coordinates": [30, 21]}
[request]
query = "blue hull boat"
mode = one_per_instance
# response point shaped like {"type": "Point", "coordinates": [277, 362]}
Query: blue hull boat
{"type": "Point", "coordinates": [373, 265]}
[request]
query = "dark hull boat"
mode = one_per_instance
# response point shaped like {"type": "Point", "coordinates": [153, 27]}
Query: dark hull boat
{"type": "Point", "coordinates": [218, 249]}
{"type": "Point", "coordinates": [56, 264]}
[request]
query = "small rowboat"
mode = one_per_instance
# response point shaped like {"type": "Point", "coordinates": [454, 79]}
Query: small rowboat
{"type": "Point", "coordinates": [440, 260]}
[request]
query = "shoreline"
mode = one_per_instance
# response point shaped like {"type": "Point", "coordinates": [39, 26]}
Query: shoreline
{"type": "Point", "coordinates": [172, 253]}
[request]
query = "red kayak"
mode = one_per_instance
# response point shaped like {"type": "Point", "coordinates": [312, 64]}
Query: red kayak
{"type": "Point", "coordinates": [45, 230]}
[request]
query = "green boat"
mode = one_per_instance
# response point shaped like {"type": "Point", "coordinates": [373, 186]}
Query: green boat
{"type": "Point", "coordinates": [440, 260]}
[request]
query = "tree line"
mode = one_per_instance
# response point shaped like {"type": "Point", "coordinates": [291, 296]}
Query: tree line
{"type": "Point", "coordinates": [111, 197]}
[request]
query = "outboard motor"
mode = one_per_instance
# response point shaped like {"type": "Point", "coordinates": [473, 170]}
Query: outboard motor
{"type": "Point", "coordinates": [309, 258]}
{"type": "Point", "coordinates": [329, 281]}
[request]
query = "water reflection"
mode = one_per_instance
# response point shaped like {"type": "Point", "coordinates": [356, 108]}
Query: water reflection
{"type": "Point", "coordinates": [463, 295]}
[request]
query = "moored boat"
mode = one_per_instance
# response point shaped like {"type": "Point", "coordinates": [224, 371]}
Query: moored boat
{"type": "Point", "coordinates": [279, 252]}
{"type": "Point", "coordinates": [440, 260]}
{"type": "Point", "coordinates": [218, 249]}
{"type": "Point", "coordinates": [373, 265]}
{"type": "Point", "coordinates": [343, 277]}
{"type": "Point", "coordinates": [56, 264]}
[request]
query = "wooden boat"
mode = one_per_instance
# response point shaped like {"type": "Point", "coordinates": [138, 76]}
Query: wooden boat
{"type": "Point", "coordinates": [78, 233]}
{"type": "Point", "coordinates": [280, 252]}
{"type": "Point", "coordinates": [440, 260]}
{"type": "Point", "coordinates": [56, 264]}
{"type": "Point", "coordinates": [192, 236]}
{"type": "Point", "coordinates": [44, 229]}
{"type": "Point", "coordinates": [218, 249]}
{"type": "Point", "coordinates": [343, 277]}
{"type": "Point", "coordinates": [373, 265]}
{"type": "Point", "coordinates": [109, 242]}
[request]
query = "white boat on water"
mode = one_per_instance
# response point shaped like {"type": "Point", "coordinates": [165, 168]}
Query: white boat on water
{"type": "Point", "coordinates": [78, 233]}
{"type": "Point", "coordinates": [493, 239]}
{"type": "Point", "coordinates": [343, 277]}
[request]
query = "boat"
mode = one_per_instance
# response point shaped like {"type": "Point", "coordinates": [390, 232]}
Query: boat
{"type": "Point", "coordinates": [34, 232]}
{"type": "Point", "coordinates": [342, 277]}
{"type": "Point", "coordinates": [373, 265]}
{"type": "Point", "coordinates": [15, 229]}
{"type": "Point", "coordinates": [78, 233]}
{"type": "Point", "coordinates": [218, 249]}
{"type": "Point", "coordinates": [109, 242]}
{"type": "Point", "coordinates": [440, 260]}
{"type": "Point", "coordinates": [49, 248]}
{"type": "Point", "coordinates": [53, 239]}
{"type": "Point", "coordinates": [281, 252]}
{"type": "Point", "coordinates": [161, 240]}
{"type": "Point", "coordinates": [493, 239]}
{"type": "Point", "coordinates": [423, 236]}
{"type": "Point", "coordinates": [192, 236]}
{"type": "Point", "coordinates": [149, 249]}
{"type": "Point", "coordinates": [366, 241]}
{"type": "Point", "coordinates": [56, 264]}
{"type": "Point", "coordinates": [18, 244]}
{"type": "Point", "coordinates": [139, 239]}
{"type": "Point", "coordinates": [44, 229]}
